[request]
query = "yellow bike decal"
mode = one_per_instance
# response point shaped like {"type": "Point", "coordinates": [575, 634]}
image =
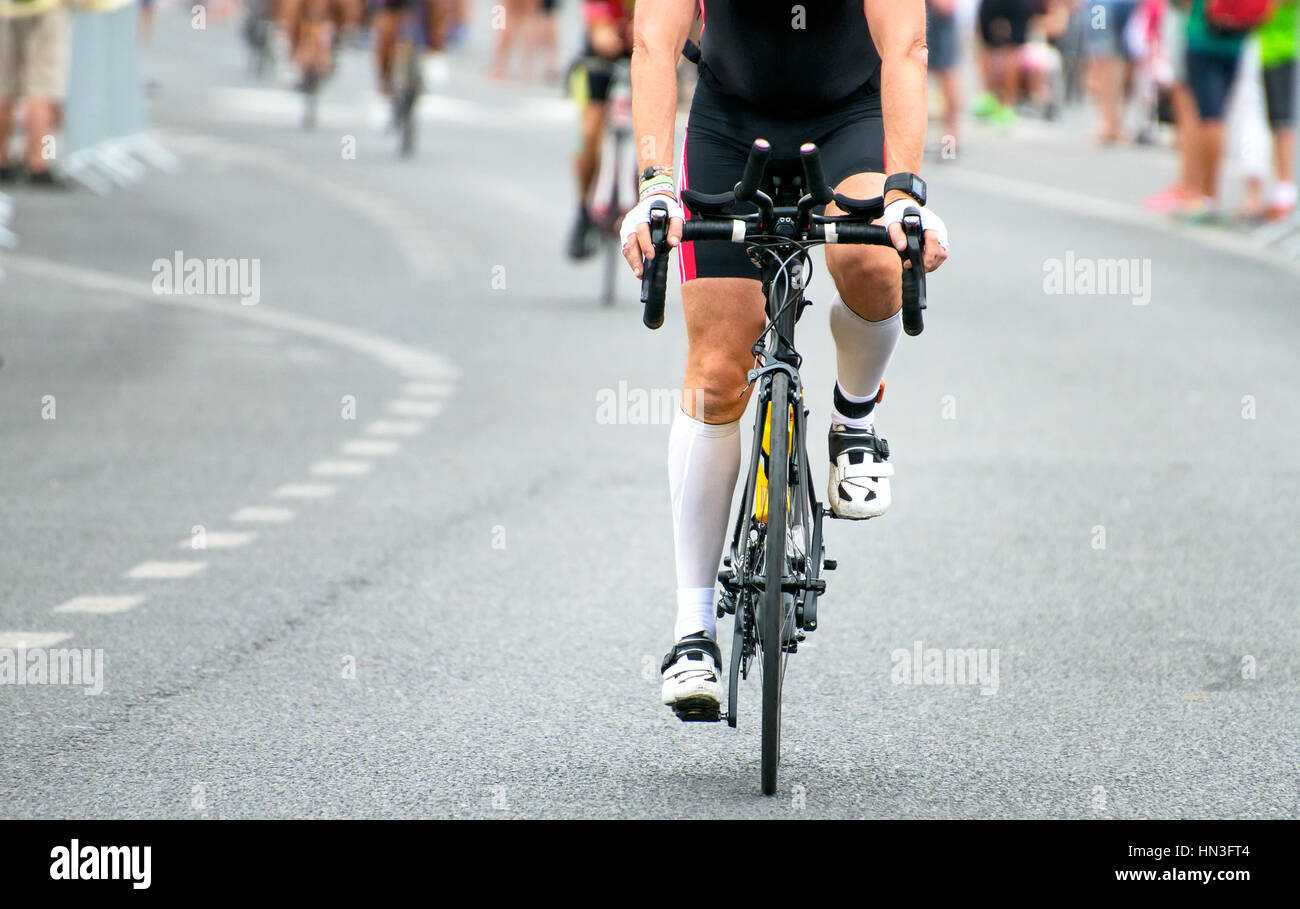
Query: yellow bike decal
{"type": "Point", "coordinates": [760, 487]}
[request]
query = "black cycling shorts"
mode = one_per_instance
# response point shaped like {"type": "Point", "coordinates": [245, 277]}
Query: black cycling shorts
{"type": "Point", "coordinates": [1004, 23]}
{"type": "Point", "coordinates": [1279, 94]}
{"type": "Point", "coordinates": [719, 133]}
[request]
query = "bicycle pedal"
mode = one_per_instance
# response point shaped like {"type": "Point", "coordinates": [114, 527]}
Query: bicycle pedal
{"type": "Point", "coordinates": [698, 711]}
{"type": "Point", "coordinates": [830, 564]}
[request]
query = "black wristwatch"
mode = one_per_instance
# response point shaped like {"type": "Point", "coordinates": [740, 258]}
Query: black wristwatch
{"type": "Point", "coordinates": [907, 183]}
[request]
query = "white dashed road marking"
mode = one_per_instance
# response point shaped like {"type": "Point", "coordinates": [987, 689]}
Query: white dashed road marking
{"type": "Point", "coordinates": [340, 468]}
{"type": "Point", "coordinates": [219, 539]}
{"type": "Point", "coordinates": [369, 447]}
{"type": "Point", "coordinates": [262, 515]}
{"type": "Point", "coordinates": [405, 408]}
{"type": "Point", "coordinates": [394, 428]}
{"type": "Point", "coordinates": [165, 570]}
{"type": "Point", "coordinates": [11, 640]}
{"type": "Point", "coordinates": [100, 605]}
{"type": "Point", "coordinates": [303, 491]}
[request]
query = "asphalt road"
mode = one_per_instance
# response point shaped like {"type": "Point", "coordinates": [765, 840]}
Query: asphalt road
{"type": "Point", "coordinates": [1099, 492]}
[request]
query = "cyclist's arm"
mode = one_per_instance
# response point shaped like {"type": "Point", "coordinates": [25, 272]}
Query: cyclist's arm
{"type": "Point", "coordinates": [898, 30]}
{"type": "Point", "coordinates": [659, 30]}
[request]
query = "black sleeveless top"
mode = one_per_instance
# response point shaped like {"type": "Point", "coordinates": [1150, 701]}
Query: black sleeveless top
{"type": "Point", "coordinates": [787, 58]}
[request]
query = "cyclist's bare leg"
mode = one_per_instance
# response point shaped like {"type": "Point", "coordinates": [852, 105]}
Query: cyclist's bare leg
{"type": "Point", "coordinates": [587, 161]}
{"type": "Point", "coordinates": [867, 277]}
{"type": "Point", "coordinates": [866, 326]}
{"type": "Point", "coordinates": [724, 316]}
{"type": "Point", "coordinates": [385, 26]}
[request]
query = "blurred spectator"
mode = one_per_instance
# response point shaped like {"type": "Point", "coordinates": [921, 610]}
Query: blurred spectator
{"type": "Point", "coordinates": [513, 26]}
{"type": "Point", "coordinates": [1110, 67]}
{"type": "Point", "coordinates": [1246, 139]}
{"type": "Point", "coordinates": [1003, 26]}
{"type": "Point", "coordinates": [1172, 74]}
{"type": "Point", "coordinates": [541, 41]}
{"type": "Point", "coordinates": [1213, 55]}
{"type": "Point", "coordinates": [1042, 69]}
{"type": "Point", "coordinates": [941, 36]}
{"type": "Point", "coordinates": [34, 37]}
{"type": "Point", "coordinates": [1277, 56]}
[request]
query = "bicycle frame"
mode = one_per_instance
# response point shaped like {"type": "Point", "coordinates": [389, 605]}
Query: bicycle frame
{"type": "Point", "coordinates": [775, 352]}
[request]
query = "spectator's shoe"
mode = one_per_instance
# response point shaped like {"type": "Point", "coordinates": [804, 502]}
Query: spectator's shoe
{"type": "Point", "coordinates": [1165, 201]}
{"type": "Point", "coordinates": [691, 679]}
{"type": "Point", "coordinates": [986, 105]}
{"type": "Point", "coordinates": [46, 179]}
{"type": "Point", "coordinates": [1278, 212]}
{"type": "Point", "coordinates": [1200, 211]}
{"type": "Point", "coordinates": [860, 472]}
{"type": "Point", "coordinates": [1004, 117]}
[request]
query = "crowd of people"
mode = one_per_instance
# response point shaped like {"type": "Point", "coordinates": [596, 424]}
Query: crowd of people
{"type": "Point", "coordinates": [1214, 71]}
{"type": "Point", "coordinates": [1216, 77]}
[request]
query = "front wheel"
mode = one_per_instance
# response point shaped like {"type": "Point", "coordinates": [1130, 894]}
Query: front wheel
{"type": "Point", "coordinates": [772, 618]}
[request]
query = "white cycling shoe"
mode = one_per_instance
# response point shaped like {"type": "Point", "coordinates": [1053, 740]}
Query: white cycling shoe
{"type": "Point", "coordinates": [860, 472]}
{"type": "Point", "coordinates": [691, 679]}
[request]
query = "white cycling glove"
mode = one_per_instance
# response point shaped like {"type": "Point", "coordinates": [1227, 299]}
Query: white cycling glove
{"type": "Point", "coordinates": [929, 220]}
{"type": "Point", "coordinates": [640, 214]}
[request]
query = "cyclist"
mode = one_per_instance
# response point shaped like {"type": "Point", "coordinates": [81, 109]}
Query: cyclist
{"type": "Point", "coordinates": [387, 19]}
{"type": "Point", "coordinates": [312, 27]}
{"type": "Point", "coordinates": [609, 37]}
{"type": "Point", "coordinates": [850, 77]}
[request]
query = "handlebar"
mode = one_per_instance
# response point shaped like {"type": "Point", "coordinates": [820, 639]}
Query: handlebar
{"type": "Point", "coordinates": [855, 229]}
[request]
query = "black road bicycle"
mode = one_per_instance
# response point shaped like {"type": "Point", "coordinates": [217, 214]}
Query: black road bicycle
{"type": "Point", "coordinates": [772, 577]}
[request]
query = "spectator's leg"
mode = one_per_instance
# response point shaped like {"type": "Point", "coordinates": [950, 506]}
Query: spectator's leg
{"type": "Point", "coordinates": [45, 57]}
{"type": "Point", "coordinates": [6, 129]}
{"type": "Point", "coordinates": [41, 123]}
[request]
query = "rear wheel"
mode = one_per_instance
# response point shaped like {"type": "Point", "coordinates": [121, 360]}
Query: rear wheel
{"type": "Point", "coordinates": [772, 615]}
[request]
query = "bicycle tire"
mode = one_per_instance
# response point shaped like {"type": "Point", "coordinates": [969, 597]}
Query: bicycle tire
{"type": "Point", "coordinates": [772, 618]}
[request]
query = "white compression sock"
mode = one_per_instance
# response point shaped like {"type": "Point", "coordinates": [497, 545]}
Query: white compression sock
{"type": "Point", "coordinates": [703, 462]}
{"type": "Point", "coordinates": [862, 352]}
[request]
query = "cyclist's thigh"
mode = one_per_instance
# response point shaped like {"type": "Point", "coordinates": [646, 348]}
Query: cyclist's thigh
{"type": "Point", "coordinates": [724, 316]}
{"type": "Point", "coordinates": [853, 159]}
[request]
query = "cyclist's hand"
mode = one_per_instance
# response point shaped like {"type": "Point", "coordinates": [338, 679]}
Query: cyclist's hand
{"type": "Point", "coordinates": [933, 229]}
{"type": "Point", "coordinates": [635, 231]}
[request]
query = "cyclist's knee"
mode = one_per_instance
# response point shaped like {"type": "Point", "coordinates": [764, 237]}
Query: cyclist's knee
{"type": "Point", "coordinates": [868, 278]}
{"type": "Point", "coordinates": [715, 382]}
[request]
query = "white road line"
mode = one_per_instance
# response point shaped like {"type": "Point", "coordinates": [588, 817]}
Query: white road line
{"type": "Point", "coordinates": [407, 361]}
{"type": "Point", "coordinates": [340, 468]}
{"type": "Point", "coordinates": [394, 428]}
{"type": "Point", "coordinates": [303, 491]}
{"type": "Point", "coordinates": [427, 389]}
{"type": "Point", "coordinates": [370, 447]}
{"type": "Point", "coordinates": [99, 605]}
{"type": "Point", "coordinates": [219, 539]}
{"type": "Point", "coordinates": [409, 231]}
{"type": "Point", "coordinates": [12, 640]}
{"type": "Point", "coordinates": [1079, 203]}
{"type": "Point", "coordinates": [155, 571]}
{"type": "Point", "coordinates": [407, 408]}
{"type": "Point", "coordinates": [261, 514]}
